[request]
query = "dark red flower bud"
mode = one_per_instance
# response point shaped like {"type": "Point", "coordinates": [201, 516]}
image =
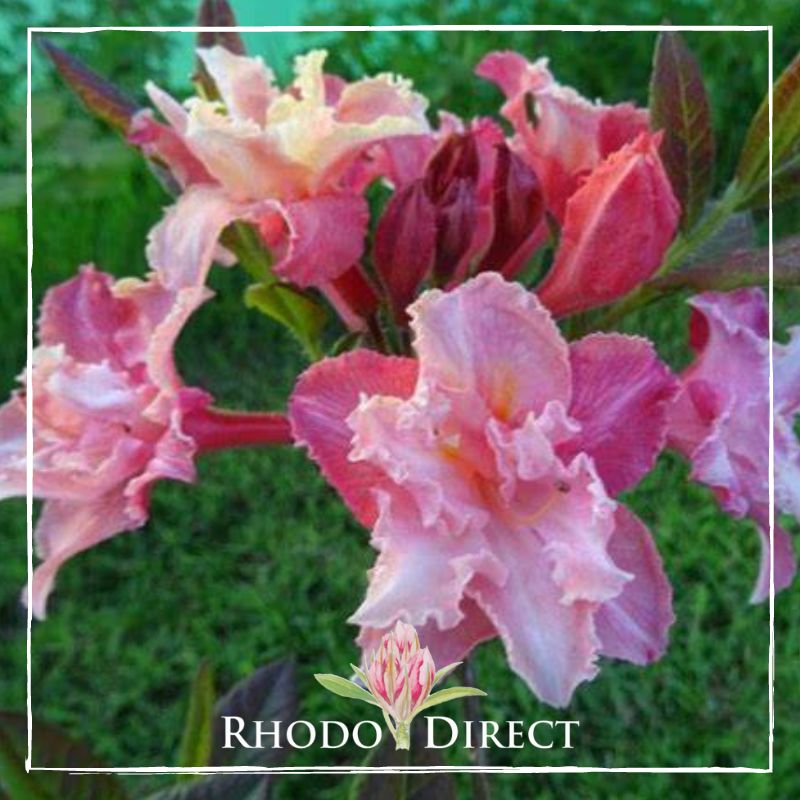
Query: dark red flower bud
{"type": "Point", "coordinates": [457, 158]}
{"type": "Point", "coordinates": [518, 212]}
{"type": "Point", "coordinates": [456, 218]}
{"type": "Point", "coordinates": [405, 241]}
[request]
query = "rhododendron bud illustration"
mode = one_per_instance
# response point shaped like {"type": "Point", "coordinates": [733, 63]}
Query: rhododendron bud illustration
{"type": "Point", "coordinates": [399, 677]}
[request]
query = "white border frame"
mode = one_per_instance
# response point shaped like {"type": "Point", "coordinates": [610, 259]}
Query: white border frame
{"type": "Point", "coordinates": [29, 400]}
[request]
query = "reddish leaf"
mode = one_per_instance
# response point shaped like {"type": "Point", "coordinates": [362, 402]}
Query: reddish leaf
{"type": "Point", "coordinates": [679, 106]}
{"type": "Point", "coordinates": [753, 168]}
{"type": "Point", "coordinates": [101, 97]}
{"type": "Point", "coordinates": [218, 14]}
{"type": "Point", "coordinates": [737, 269]}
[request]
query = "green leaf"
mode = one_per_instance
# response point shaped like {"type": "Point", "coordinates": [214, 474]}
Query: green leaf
{"type": "Point", "coordinates": [679, 106]}
{"type": "Point", "coordinates": [446, 695]}
{"type": "Point", "coordinates": [345, 688]}
{"type": "Point", "coordinates": [195, 748]}
{"type": "Point", "coordinates": [51, 748]}
{"type": "Point", "coordinates": [101, 97]}
{"type": "Point", "coordinates": [304, 317]}
{"type": "Point", "coordinates": [360, 673]}
{"type": "Point", "coordinates": [753, 168]}
{"type": "Point", "coordinates": [442, 673]}
{"type": "Point", "coordinates": [785, 185]}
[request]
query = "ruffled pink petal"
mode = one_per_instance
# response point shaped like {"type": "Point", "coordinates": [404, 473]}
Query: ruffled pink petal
{"type": "Point", "coordinates": [617, 228]}
{"type": "Point", "coordinates": [13, 444]}
{"type": "Point", "coordinates": [65, 529]}
{"type": "Point", "coordinates": [621, 394]}
{"type": "Point", "coordinates": [91, 323]}
{"type": "Point", "coordinates": [492, 340]}
{"type": "Point", "coordinates": [550, 644]}
{"type": "Point", "coordinates": [323, 398]}
{"type": "Point", "coordinates": [445, 646]}
{"type": "Point", "coordinates": [244, 83]}
{"type": "Point", "coordinates": [369, 99]}
{"type": "Point", "coordinates": [634, 626]}
{"type": "Point", "coordinates": [421, 572]}
{"type": "Point", "coordinates": [324, 236]}
{"type": "Point", "coordinates": [183, 244]}
{"type": "Point", "coordinates": [787, 375]}
{"type": "Point", "coordinates": [785, 560]}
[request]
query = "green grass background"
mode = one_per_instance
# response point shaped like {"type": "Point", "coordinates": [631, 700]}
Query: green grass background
{"type": "Point", "coordinates": [260, 560]}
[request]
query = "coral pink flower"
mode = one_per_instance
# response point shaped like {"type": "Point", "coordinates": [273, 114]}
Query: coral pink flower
{"type": "Point", "coordinates": [283, 160]}
{"type": "Point", "coordinates": [486, 469]}
{"type": "Point", "coordinates": [110, 414]}
{"type": "Point", "coordinates": [401, 674]}
{"type": "Point", "coordinates": [720, 418]}
{"type": "Point", "coordinates": [602, 179]}
{"type": "Point", "coordinates": [569, 135]}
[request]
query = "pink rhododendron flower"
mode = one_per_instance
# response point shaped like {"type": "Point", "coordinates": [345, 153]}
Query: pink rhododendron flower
{"type": "Point", "coordinates": [111, 416]}
{"type": "Point", "coordinates": [107, 413]}
{"type": "Point", "coordinates": [720, 418]}
{"type": "Point", "coordinates": [569, 135]}
{"type": "Point", "coordinates": [486, 469]}
{"type": "Point", "coordinates": [284, 160]}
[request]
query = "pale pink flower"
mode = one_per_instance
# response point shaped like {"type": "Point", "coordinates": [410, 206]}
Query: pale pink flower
{"type": "Point", "coordinates": [720, 418]}
{"type": "Point", "coordinates": [400, 674]}
{"type": "Point", "coordinates": [286, 160]}
{"type": "Point", "coordinates": [108, 408]}
{"type": "Point", "coordinates": [561, 134]}
{"type": "Point", "coordinates": [485, 468]}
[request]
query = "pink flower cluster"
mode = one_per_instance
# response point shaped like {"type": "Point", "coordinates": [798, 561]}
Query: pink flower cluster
{"type": "Point", "coordinates": [485, 452]}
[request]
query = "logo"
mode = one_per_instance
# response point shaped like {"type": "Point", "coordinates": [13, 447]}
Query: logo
{"type": "Point", "coordinates": [399, 680]}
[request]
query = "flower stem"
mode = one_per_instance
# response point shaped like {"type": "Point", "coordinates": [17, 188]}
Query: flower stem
{"type": "Point", "coordinates": [401, 736]}
{"type": "Point", "coordinates": [217, 429]}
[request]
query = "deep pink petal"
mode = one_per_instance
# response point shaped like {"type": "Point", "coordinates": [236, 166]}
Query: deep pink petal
{"type": "Point", "coordinates": [324, 237]}
{"type": "Point", "coordinates": [621, 394]}
{"type": "Point", "coordinates": [494, 341]}
{"type": "Point", "coordinates": [65, 529]}
{"type": "Point", "coordinates": [634, 626]}
{"type": "Point", "coordinates": [323, 398]}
